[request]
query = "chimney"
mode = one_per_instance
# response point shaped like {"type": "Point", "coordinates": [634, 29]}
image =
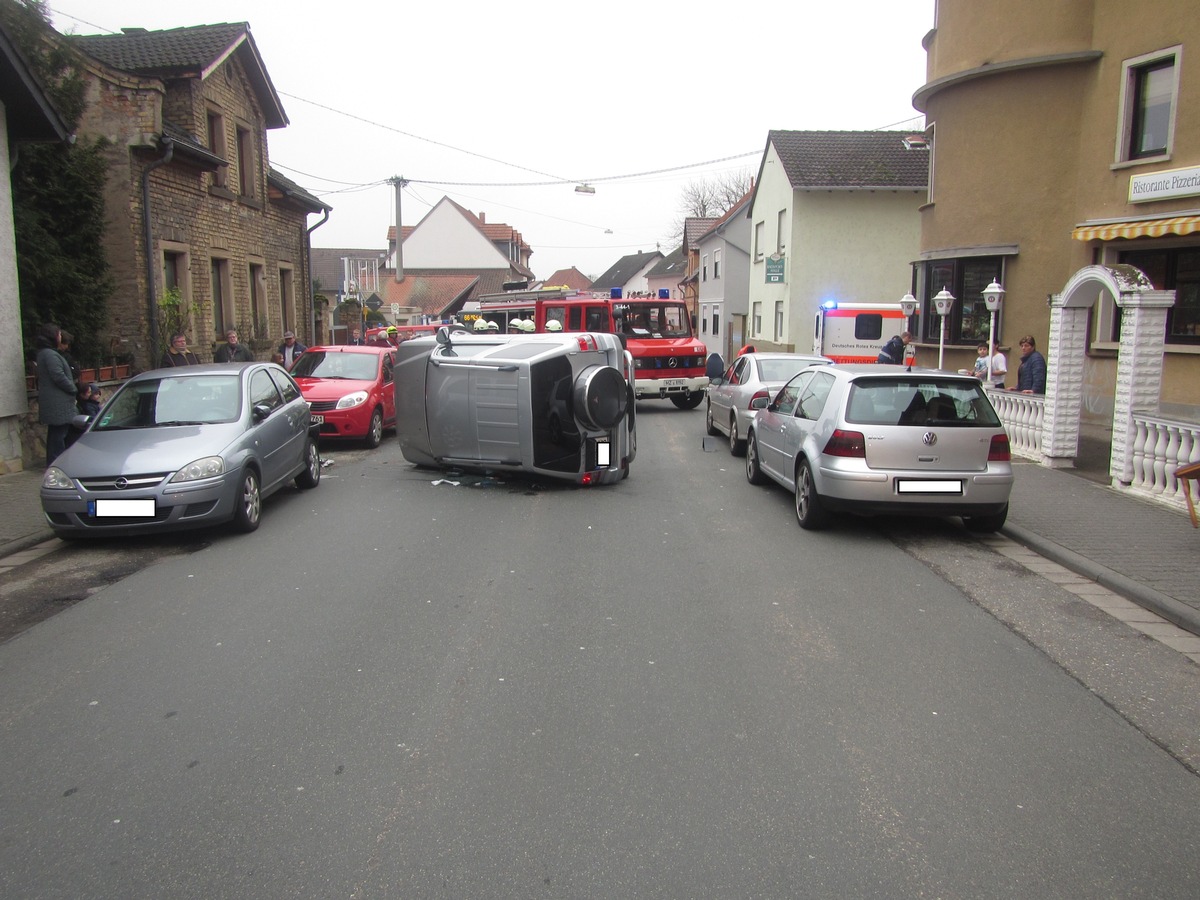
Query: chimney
{"type": "Point", "coordinates": [482, 219]}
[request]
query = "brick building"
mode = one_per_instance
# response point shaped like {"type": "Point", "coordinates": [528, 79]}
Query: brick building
{"type": "Point", "coordinates": [195, 213]}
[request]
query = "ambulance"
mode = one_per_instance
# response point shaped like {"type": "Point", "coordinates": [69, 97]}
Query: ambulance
{"type": "Point", "coordinates": [856, 332]}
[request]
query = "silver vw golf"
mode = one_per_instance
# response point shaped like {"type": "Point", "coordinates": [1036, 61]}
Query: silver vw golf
{"type": "Point", "coordinates": [883, 440]}
{"type": "Point", "coordinates": [184, 448]}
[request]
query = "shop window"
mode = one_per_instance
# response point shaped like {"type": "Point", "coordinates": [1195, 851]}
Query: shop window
{"type": "Point", "coordinates": [965, 278]}
{"type": "Point", "coordinates": [1172, 269]}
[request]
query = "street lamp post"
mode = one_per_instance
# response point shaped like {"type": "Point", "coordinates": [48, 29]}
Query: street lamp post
{"type": "Point", "coordinates": [943, 302]}
{"type": "Point", "coordinates": [993, 296]}
{"type": "Point", "coordinates": [908, 305]}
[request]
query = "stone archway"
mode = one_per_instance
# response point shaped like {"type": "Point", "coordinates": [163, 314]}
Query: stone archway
{"type": "Point", "coordinates": [1143, 337]}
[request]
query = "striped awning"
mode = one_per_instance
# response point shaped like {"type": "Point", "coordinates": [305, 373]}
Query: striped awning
{"type": "Point", "coordinates": [1110, 231]}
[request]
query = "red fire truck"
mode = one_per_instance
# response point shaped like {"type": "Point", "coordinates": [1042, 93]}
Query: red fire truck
{"type": "Point", "coordinates": [668, 359]}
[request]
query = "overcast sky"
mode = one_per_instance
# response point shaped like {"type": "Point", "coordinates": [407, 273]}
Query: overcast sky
{"type": "Point", "coordinates": [476, 100]}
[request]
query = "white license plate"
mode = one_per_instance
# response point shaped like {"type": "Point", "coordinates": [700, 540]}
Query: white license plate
{"type": "Point", "coordinates": [126, 509]}
{"type": "Point", "coordinates": [317, 420]}
{"type": "Point", "coordinates": [928, 486]}
{"type": "Point", "coordinates": [673, 382]}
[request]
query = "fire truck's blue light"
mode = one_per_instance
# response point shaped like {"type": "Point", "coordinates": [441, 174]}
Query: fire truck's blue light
{"type": "Point", "coordinates": [829, 304]}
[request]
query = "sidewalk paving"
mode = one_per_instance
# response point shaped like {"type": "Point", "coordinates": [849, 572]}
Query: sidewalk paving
{"type": "Point", "coordinates": [1135, 548]}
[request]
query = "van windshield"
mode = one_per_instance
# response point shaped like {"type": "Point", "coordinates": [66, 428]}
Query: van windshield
{"type": "Point", "coordinates": [655, 319]}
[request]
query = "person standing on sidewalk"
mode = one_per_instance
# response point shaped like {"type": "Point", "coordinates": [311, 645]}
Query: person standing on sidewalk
{"type": "Point", "coordinates": [1031, 376]}
{"type": "Point", "coordinates": [56, 391]}
{"type": "Point", "coordinates": [178, 353]}
{"type": "Point", "coordinates": [232, 351]}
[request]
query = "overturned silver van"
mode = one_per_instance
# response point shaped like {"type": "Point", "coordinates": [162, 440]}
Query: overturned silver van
{"type": "Point", "coordinates": [555, 405]}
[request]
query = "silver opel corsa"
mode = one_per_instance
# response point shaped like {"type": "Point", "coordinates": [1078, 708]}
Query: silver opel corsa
{"type": "Point", "coordinates": [880, 439]}
{"type": "Point", "coordinates": [183, 448]}
{"type": "Point", "coordinates": [555, 405]}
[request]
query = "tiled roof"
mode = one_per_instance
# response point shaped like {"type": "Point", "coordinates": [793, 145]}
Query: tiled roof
{"type": "Point", "coordinates": [572, 278]}
{"type": "Point", "coordinates": [29, 113]}
{"type": "Point", "coordinates": [694, 227]}
{"type": "Point", "coordinates": [675, 264]}
{"type": "Point", "coordinates": [189, 52]}
{"type": "Point", "coordinates": [623, 270]}
{"type": "Point", "coordinates": [435, 295]}
{"type": "Point", "coordinates": [850, 159]}
{"type": "Point", "coordinates": [295, 193]}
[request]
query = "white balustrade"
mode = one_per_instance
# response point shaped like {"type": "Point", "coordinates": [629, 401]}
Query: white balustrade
{"type": "Point", "coordinates": [1022, 416]}
{"type": "Point", "coordinates": [1160, 447]}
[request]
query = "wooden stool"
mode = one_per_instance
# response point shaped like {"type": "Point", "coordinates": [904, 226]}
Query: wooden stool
{"type": "Point", "coordinates": [1188, 474]}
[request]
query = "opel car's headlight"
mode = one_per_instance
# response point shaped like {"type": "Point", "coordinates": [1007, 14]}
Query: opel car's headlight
{"type": "Point", "coordinates": [358, 398]}
{"type": "Point", "coordinates": [208, 467]}
{"type": "Point", "coordinates": [56, 479]}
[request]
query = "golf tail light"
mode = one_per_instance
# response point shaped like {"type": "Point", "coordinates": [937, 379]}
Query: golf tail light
{"type": "Point", "coordinates": [847, 443]}
{"type": "Point", "coordinates": [999, 451]}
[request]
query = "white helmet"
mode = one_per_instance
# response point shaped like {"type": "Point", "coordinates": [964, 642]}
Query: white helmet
{"type": "Point", "coordinates": [528, 326]}
{"type": "Point", "coordinates": [515, 324]}
{"type": "Point", "coordinates": [553, 325]}
{"type": "Point", "coordinates": [481, 324]}
{"type": "Point", "coordinates": [493, 326]}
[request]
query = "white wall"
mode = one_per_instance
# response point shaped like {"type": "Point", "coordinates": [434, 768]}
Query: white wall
{"type": "Point", "coordinates": [445, 240]}
{"type": "Point", "coordinates": [850, 246]}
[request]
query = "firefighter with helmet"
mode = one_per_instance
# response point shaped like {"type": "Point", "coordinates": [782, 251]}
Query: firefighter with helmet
{"type": "Point", "coordinates": [481, 325]}
{"type": "Point", "coordinates": [493, 326]}
{"type": "Point", "coordinates": [553, 325]}
{"type": "Point", "coordinates": [527, 326]}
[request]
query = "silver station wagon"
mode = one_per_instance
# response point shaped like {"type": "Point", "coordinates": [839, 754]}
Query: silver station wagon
{"type": "Point", "coordinates": [879, 439]}
{"type": "Point", "coordinates": [555, 405]}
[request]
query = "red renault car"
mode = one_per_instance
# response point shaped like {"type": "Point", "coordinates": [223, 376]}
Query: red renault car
{"type": "Point", "coordinates": [349, 390]}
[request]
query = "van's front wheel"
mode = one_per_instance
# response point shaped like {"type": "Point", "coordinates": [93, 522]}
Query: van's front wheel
{"type": "Point", "coordinates": [688, 401]}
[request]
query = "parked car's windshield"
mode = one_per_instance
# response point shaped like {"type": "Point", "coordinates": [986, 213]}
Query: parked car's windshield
{"type": "Point", "coordinates": [173, 400]}
{"type": "Point", "coordinates": [917, 401]}
{"type": "Point", "coordinates": [319, 364]}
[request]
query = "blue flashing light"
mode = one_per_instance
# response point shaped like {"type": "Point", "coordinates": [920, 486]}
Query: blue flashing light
{"type": "Point", "coordinates": [829, 304]}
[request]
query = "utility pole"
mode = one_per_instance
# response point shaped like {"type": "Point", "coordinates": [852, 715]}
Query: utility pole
{"type": "Point", "coordinates": [398, 182]}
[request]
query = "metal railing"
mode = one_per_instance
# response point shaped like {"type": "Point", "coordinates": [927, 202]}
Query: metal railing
{"type": "Point", "coordinates": [1160, 447]}
{"type": "Point", "coordinates": [1022, 416]}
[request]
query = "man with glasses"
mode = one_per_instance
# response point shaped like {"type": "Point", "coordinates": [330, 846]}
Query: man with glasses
{"type": "Point", "coordinates": [1031, 376]}
{"type": "Point", "coordinates": [232, 351]}
{"type": "Point", "coordinates": [178, 354]}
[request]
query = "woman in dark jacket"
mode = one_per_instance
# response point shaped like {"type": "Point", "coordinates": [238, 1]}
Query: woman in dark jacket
{"type": "Point", "coordinates": [56, 391]}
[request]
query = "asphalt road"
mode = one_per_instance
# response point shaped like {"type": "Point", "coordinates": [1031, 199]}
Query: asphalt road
{"type": "Point", "coordinates": [405, 687]}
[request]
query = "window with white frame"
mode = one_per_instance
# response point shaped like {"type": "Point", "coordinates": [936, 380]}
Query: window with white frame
{"type": "Point", "coordinates": [704, 267]}
{"type": "Point", "coordinates": [1149, 91]}
{"type": "Point", "coordinates": [758, 240]}
{"type": "Point", "coordinates": [716, 264]}
{"type": "Point", "coordinates": [780, 226]}
{"type": "Point", "coordinates": [756, 319]}
{"type": "Point", "coordinates": [704, 319]}
{"type": "Point", "coordinates": [778, 321]}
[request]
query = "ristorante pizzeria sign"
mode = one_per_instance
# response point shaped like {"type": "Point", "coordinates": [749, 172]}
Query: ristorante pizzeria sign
{"type": "Point", "coordinates": [1164, 185]}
